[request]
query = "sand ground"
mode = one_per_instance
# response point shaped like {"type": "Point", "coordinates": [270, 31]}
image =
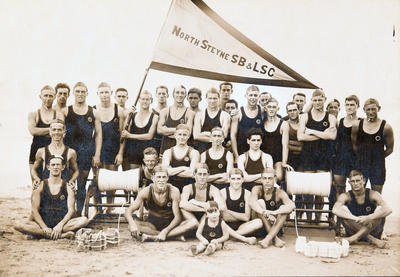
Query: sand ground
{"type": "Point", "coordinates": [22, 257]}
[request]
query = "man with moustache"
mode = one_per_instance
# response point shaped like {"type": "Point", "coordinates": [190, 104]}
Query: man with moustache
{"type": "Point", "coordinates": [62, 94]}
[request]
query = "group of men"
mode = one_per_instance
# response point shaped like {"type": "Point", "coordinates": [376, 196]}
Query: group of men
{"type": "Point", "coordinates": [187, 157]}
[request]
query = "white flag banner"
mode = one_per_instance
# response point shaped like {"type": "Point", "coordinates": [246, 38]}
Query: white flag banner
{"type": "Point", "coordinates": [195, 41]}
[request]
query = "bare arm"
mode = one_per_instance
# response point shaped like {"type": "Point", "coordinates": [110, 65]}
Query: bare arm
{"type": "Point", "coordinates": [36, 165]}
{"type": "Point", "coordinates": [35, 204]}
{"type": "Point", "coordinates": [382, 210]}
{"type": "Point", "coordinates": [189, 205]}
{"type": "Point", "coordinates": [35, 131]}
{"type": "Point", "coordinates": [73, 165]}
{"type": "Point", "coordinates": [225, 233]}
{"type": "Point", "coordinates": [194, 160]}
{"type": "Point", "coordinates": [226, 123]}
{"type": "Point", "coordinates": [98, 139]}
{"type": "Point", "coordinates": [389, 139]}
{"type": "Point", "coordinates": [329, 133]}
{"type": "Point", "coordinates": [285, 142]}
{"type": "Point", "coordinates": [301, 130]}
{"type": "Point", "coordinates": [216, 195]}
{"type": "Point", "coordinates": [161, 128]}
{"type": "Point", "coordinates": [177, 213]}
{"type": "Point", "coordinates": [288, 205]}
{"type": "Point", "coordinates": [253, 202]}
{"type": "Point", "coordinates": [234, 129]}
{"type": "Point", "coordinates": [197, 133]}
{"type": "Point", "coordinates": [341, 210]}
{"type": "Point", "coordinates": [199, 232]}
{"type": "Point", "coordinates": [71, 208]}
{"type": "Point", "coordinates": [143, 194]}
{"type": "Point", "coordinates": [354, 133]}
{"type": "Point", "coordinates": [247, 177]}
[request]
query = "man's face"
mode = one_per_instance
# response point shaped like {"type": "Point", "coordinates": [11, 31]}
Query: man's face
{"type": "Point", "coordinates": [318, 102]}
{"type": "Point", "coordinates": [55, 167]}
{"type": "Point", "coordinates": [357, 182]}
{"type": "Point", "coordinates": [162, 95]}
{"type": "Point", "coordinates": [230, 108]}
{"type": "Point", "coordinates": [350, 106]}
{"type": "Point", "coordinates": [47, 97]}
{"type": "Point", "coordinates": [293, 112]}
{"type": "Point", "coordinates": [236, 181]}
{"type": "Point", "coordinates": [201, 176]}
{"type": "Point", "coordinates": [272, 108]}
{"type": "Point", "coordinates": [371, 111]}
{"type": "Point", "coordinates": [267, 180]}
{"type": "Point", "coordinates": [104, 94]}
{"type": "Point", "coordinates": [217, 138]}
{"type": "Point", "coordinates": [150, 161]}
{"type": "Point", "coordinates": [334, 109]}
{"type": "Point", "coordinates": [254, 142]}
{"type": "Point", "coordinates": [194, 100]}
{"type": "Point", "coordinates": [181, 136]}
{"type": "Point", "coordinates": [179, 94]}
{"type": "Point", "coordinates": [212, 100]}
{"type": "Point", "coordinates": [160, 180]}
{"type": "Point", "coordinates": [62, 95]}
{"type": "Point", "coordinates": [121, 97]}
{"type": "Point", "coordinates": [264, 98]}
{"type": "Point", "coordinates": [225, 91]}
{"type": "Point", "coordinates": [80, 93]}
{"type": "Point", "coordinates": [145, 101]}
{"type": "Point", "coordinates": [57, 131]}
{"type": "Point", "coordinates": [300, 101]}
{"type": "Point", "coordinates": [252, 97]}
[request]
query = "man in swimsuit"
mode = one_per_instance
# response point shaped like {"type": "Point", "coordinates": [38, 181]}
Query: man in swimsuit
{"type": "Point", "coordinates": [231, 107]}
{"type": "Point", "coordinates": [56, 147]}
{"type": "Point", "coordinates": [53, 205]}
{"type": "Point", "coordinates": [372, 141]}
{"type": "Point", "coordinates": [121, 96]}
{"type": "Point", "coordinates": [162, 97]}
{"type": "Point", "coordinates": [225, 91]}
{"type": "Point", "coordinates": [272, 206]}
{"type": "Point", "coordinates": [276, 139]}
{"type": "Point", "coordinates": [142, 128]}
{"type": "Point", "coordinates": [181, 159]}
{"type": "Point", "coordinates": [39, 122]}
{"type": "Point", "coordinates": [194, 98]}
{"type": "Point", "coordinates": [249, 116]}
{"type": "Point", "coordinates": [254, 160]}
{"type": "Point", "coordinates": [195, 196]}
{"type": "Point", "coordinates": [171, 117]}
{"type": "Point", "coordinates": [62, 94]}
{"type": "Point", "coordinates": [84, 135]}
{"type": "Point", "coordinates": [205, 120]}
{"type": "Point", "coordinates": [150, 160]}
{"type": "Point", "coordinates": [162, 201]}
{"type": "Point", "coordinates": [317, 129]}
{"type": "Point", "coordinates": [359, 209]}
{"type": "Point", "coordinates": [333, 107]}
{"type": "Point", "coordinates": [299, 98]}
{"type": "Point", "coordinates": [238, 211]}
{"type": "Point", "coordinates": [218, 159]}
{"type": "Point", "coordinates": [264, 99]}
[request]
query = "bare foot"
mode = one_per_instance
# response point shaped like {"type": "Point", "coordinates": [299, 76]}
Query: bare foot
{"type": "Point", "coordinates": [377, 242]}
{"type": "Point", "coordinates": [193, 250]}
{"type": "Point", "coordinates": [265, 243]}
{"type": "Point", "coordinates": [68, 235]}
{"type": "Point", "coordinates": [210, 249]}
{"type": "Point", "coordinates": [278, 242]}
{"type": "Point", "coordinates": [251, 240]}
{"type": "Point", "coordinates": [182, 238]}
{"type": "Point", "coordinates": [384, 236]}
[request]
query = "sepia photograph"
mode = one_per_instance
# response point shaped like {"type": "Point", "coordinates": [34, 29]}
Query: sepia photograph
{"type": "Point", "coordinates": [200, 138]}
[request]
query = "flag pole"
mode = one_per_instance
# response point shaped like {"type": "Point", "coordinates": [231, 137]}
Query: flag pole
{"type": "Point", "coordinates": [130, 115]}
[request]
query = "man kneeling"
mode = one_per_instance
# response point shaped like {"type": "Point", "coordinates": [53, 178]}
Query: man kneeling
{"type": "Point", "coordinates": [272, 206]}
{"type": "Point", "coordinates": [162, 201]}
{"type": "Point", "coordinates": [53, 204]}
{"type": "Point", "coordinates": [358, 208]}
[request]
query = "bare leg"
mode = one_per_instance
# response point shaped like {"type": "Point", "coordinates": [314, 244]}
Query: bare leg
{"type": "Point", "coordinates": [29, 227]}
{"type": "Point", "coordinates": [236, 235]}
{"type": "Point", "coordinates": [250, 227]}
{"type": "Point", "coordinates": [377, 188]}
{"type": "Point", "coordinates": [197, 249]}
{"type": "Point", "coordinates": [358, 231]}
{"type": "Point", "coordinates": [75, 224]}
{"type": "Point", "coordinates": [184, 226]}
{"type": "Point", "coordinates": [81, 191]}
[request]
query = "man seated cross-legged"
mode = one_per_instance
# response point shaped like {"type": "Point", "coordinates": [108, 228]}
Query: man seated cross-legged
{"type": "Point", "coordinates": [272, 206]}
{"type": "Point", "coordinates": [53, 205]}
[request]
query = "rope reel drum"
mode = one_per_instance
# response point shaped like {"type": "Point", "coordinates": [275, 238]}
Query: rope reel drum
{"type": "Point", "coordinates": [318, 183]}
{"type": "Point", "coordinates": [108, 180]}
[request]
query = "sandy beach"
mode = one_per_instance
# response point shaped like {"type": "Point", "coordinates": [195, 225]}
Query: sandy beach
{"type": "Point", "coordinates": [22, 257]}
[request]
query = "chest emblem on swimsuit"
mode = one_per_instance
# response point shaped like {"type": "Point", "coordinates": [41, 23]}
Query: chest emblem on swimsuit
{"type": "Point", "coordinates": [258, 121]}
{"type": "Point", "coordinates": [115, 120]}
{"type": "Point", "coordinates": [212, 234]}
{"type": "Point", "coordinates": [220, 166]}
{"type": "Point", "coordinates": [378, 138]}
{"type": "Point", "coordinates": [169, 204]}
{"type": "Point", "coordinates": [325, 123]}
{"type": "Point", "coordinates": [368, 209]}
{"type": "Point", "coordinates": [186, 159]}
{"type": "Point", "coordinates": [182, 121]}
{"type": "Point", "coordinates": [272, 203]}
{"type": "Point", "coordinates": [90, 119]}
{"type": "Point", "coordinates": [241, 204]}
{"type": "Point", "coordinates": [62, 197]}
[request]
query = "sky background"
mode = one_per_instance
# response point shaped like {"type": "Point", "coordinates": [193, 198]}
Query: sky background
{"type": "Point", "coordinates": [345, 47]}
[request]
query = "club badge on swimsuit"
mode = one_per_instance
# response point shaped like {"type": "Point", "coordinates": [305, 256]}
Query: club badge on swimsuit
{"type": "Point", "coordinates": [90, 119]}
{"type": "Point", "coordinates": [220, 165]}
{"type": "Point", "coordinates": [272, 203]}
{"type": "Point", "coordinates": [212, 234]}
{"type": "Point", "coordinates": [378, 138]}
{"type": "Point", "coordinates": [258, 121]}
{"type": "Point", "coordinates": [241, 205]}
{"type": "Point", "coordinates": [368, 209]}
{"type": "Point", "coordinates": [186, 159]}
{"type": "Point", "coordinates": [169, 204]}
{"type": "Point", "coordinates": [325, 123]}
{"type": "Point", "coordinates": [182, 121]}
{"type": "Point", "coordinates": [116, 120]}
{"type": "Point", "coordinates": [62, 197]}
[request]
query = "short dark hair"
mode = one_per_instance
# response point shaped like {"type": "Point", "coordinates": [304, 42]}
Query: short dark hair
{"type": "Point", "coordinates": [232, 101]}
{"type": "Point", "coordinates": [225, 84]}
{"type": "Point", "coordinates": [355, 172]}
{"type": "Point", "coordinates": [56, 157]}
{"type": "Point", "coordinates": [195, 91]}
{"type": "Point", "coordinates": [162, 86]}
{"type": "Point", "coordinates": [353, 98]}
{"type": "Point", "coordinates": [299, 94]}
{"type": "Point", "coordinates": [255, 132]}
{"type": "Point", "coordinates": [150, 151]}
{"type": "Point", "coordinates": [333, 101]}
{"type": "Point", "coordinates": [62, 85]}
{"type": "Point", "coordinates": [121, 89]}
{"type": "Point", "coordinates": [291, 103]}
